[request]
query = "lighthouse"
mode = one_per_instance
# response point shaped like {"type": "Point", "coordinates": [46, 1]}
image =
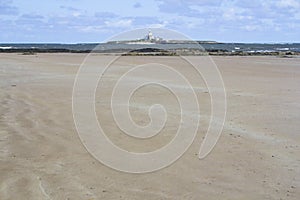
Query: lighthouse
{"type": "Point", "coordinates": [150, 36]}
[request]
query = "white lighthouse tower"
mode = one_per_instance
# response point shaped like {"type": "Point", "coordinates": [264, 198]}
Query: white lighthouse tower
{"type": "Point", "coordinates": [150, 36]}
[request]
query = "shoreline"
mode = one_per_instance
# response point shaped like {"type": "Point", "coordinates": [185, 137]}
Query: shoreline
{"type": "Point", "coordinates": [155, 52]}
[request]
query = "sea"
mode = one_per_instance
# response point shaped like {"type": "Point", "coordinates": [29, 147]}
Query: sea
{"type": "Point", "coordinates": [229, 47]}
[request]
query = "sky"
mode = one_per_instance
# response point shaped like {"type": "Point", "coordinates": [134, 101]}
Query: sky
{"type": "Point", "coordinates": [83, 21]}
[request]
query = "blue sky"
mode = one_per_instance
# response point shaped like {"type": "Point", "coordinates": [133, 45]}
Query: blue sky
{"type": "Point", "coordinates": [75, 21]}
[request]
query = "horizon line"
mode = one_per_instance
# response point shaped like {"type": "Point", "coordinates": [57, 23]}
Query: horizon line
{"type": "Point", "coordinates": [103, 42]}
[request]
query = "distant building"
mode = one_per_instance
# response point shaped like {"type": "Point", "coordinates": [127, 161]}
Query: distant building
{"type": "Point", "coordinates": [151, 38]}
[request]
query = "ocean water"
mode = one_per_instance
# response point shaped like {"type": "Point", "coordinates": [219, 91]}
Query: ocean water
{"type": "Point", "coordinates": [230, 47]}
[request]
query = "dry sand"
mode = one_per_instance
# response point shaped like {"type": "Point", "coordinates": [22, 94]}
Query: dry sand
{"type": "Point", "coordinates": [42, 157]}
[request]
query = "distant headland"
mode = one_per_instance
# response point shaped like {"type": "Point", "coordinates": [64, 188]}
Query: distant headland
{"type": "Point", "coordinates": [150, 38]}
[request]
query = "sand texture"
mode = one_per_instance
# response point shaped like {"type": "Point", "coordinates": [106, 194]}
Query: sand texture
{"type": "Point", "coordinates": [42, 157]}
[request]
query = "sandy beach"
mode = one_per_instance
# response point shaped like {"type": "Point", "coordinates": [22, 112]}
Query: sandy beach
{"type": "Point", "coordinates": [256, 157]}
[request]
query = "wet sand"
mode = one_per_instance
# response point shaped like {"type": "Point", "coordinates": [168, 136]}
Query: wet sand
{"type": "Point", "coordinates": [42, 157]}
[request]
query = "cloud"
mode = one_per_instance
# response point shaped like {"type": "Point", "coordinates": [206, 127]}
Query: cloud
{"type": "Point", "coordinates": [234, 15]}
{"type": "Point", "coordinates": [251, 27]}
{"type": "Point", "coordinates": [69, 8]}
{"type": "Point", "coordinates": [32, 16]}
{"type": "Point", "coordinates": [212, 19]}
{"type": "Point", "coordinates": [105, 15]}
{"type": "Point", "coordinates": [203, 2]}
{"type": "Point", "coordinates": [144, 21]}
{"type": "Point", "coordinates": [171, 6]}
{"type": "Point", "coordinates": [6, 8]}
{"type": "Point", "coordinates": [137, 5]}
{"type": "Point", "coordinates": [151, 22]}
{"type": "Point", "coordinates": [191, 8]}
{"type": "Point", "coordinates": [231, 14]}
{"type": "Point", "coordinates": [30, 21]}
{"type": "Point", "coordinates": [121, 23]}
{"type": "Point", "coordinates": [230, 10]}
{"type": "Point", "coordinates": [91, 29]}
{"type": "Point", "coordinates": [289, 4]}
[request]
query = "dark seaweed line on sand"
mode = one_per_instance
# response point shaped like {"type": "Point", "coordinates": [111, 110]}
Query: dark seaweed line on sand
{"type": "Point", "coordinates": [151, 52]}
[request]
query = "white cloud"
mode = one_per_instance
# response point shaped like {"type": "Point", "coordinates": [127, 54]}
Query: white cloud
{"type": "Point", "coordinates": [158, 25]}
{"type": "Point", "coordinates": [90, 29]}
{"type": "Point", "coordinates": [122, 23]}
{"type": "Point", "coordinates": [76, 14]}
{"type": "Point", "coordinates": [289, 4]}
{"type": "Point", "coordinates": [236, 13]}
{"type": "Point", "coordinates": [230, 14]}
{"type": "Point", "coordinates": [193, 17]}
{"type": "Point", "coordinates": [252, 27]}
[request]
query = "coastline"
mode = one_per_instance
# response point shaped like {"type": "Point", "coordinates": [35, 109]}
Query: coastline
{"type": "Point", "coordinates": [164, 49]}
{"type": "Point", "coordinates": [155, 52]}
